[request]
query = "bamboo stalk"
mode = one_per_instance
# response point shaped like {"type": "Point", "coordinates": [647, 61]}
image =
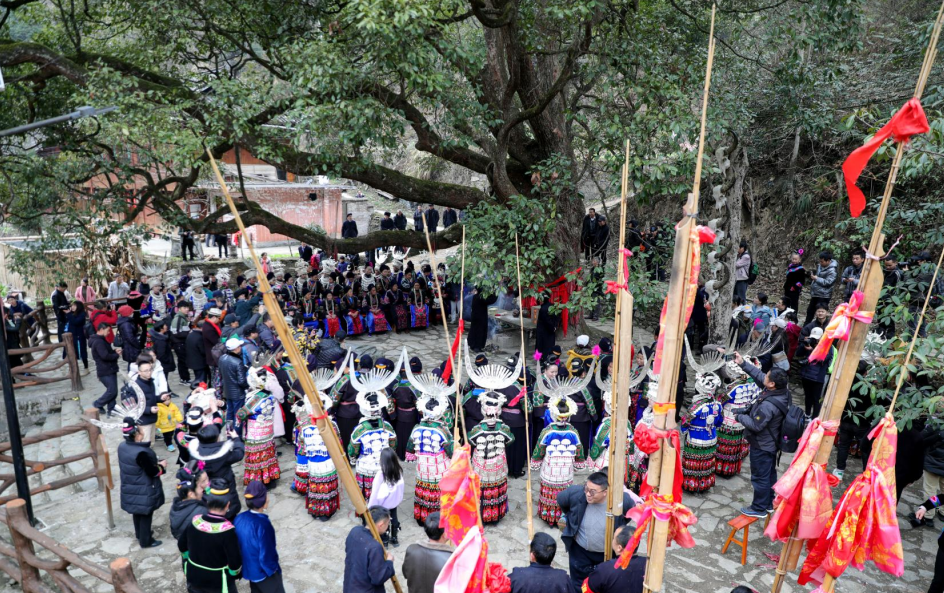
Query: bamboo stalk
{"type": "Point", "coordinates": [622, 372]}
{"type": "Point", "coordinates": [332, 442]}
{"type": "Point", "coordinates": [662, 462]}
{"type": "Point", "coordinates": [849, 353]}
{"type": "Point", "coordinates": [459, 409]}
{"type": "Point", "coordinates": [527, 425]}
{"type": "Point", "coordinates": [455, 368]}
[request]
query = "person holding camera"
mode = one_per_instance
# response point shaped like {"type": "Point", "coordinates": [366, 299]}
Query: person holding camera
{"type": "Point", "coordinates": [762, 421]}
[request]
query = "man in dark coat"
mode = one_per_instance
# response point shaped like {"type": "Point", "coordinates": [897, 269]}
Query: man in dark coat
{"type": "Point", "coordinates": [546, 334]}
{"type": "Point", "coordinates": [141, 489]}
{"type": "Point", "coordinates": [539, 576]}
{"type": "Point", "coordinates": [233, 378]}
{"type": "Point", "coordinates": [257, 543]}
{"type": "Point", "coordinates": [607, 578]}
{"type": "Point", "coordinates": [588, 232]}
{"type": "Point", "coordinates": [60, 305]}
{"type": "Point", "coordinates": [762, 422]}
{"type": "Point", "coordinates": [106, 367]}
{"type": "Point", "coordinates": [196, 355]}
{"type": "Point", "coordinates": [424, 560]}
{"type": "Point", "coordinates": [211, 336]}
{"type": "Point", "coordinates": [584, 532]}
{"type": "Point", "coordinates": [349, 228]}
{"type": "Point", "coordinates": [449, 217]}
{"type": "Point", "coordinates": [386, 223]}
{"type": "Point", "coordinates": [399, 221]}
{"type": "Point", "coordinates": [128, 330]}
{"type": "Point", "coordinates": [601, 240]}
{"type": "Point", "coordinates": [418, 219]}
{"type": "Point", "coordinates": [218, 458]}
{"type": "Point", "coordinates": [367, 566]}
{"type": "Point", "coordinates": [478, 334]}
{"type": "Point", "coordinates": [405, 415]}
{"type": "Point", "coordinates": [432, 218]}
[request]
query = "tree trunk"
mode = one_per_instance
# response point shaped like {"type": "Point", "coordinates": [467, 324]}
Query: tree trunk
{"type": "Point", "coordinates": [725, 219]}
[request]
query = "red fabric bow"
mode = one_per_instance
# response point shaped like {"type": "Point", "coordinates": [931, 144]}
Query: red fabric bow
{"type": "Point", "coordinates": [447, 372]}
{"type": "Point", "coordinates": [647, 439]}
{"type": "Point", "coordinates": [613, 287]}
{"type": "Point", "coordinates": [662, 508]}
{"type": "Point", "coordinates": [840, 326]}
{"type": "Point", "coordinates": [517, 398]}
{"type": "Point", "coordinates": [909, 121]}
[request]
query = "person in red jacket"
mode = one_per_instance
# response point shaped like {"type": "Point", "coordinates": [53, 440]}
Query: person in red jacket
{"type": "Point", "coordinates": [102, 314]}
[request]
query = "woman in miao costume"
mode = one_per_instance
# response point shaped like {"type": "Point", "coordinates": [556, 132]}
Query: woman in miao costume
{"type": "Point", "coordinates": [373, 433]}
{"type": "Point", "coordinates": [556, 454]}
{"type": "Point", "coordinates": [431, 444]}
{"type": "Point", "coordinates": [258, 415]}
{"type": "Point", "coordinates": [700, 434]}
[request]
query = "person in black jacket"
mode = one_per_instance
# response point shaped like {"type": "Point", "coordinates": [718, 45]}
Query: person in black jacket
{"type": "Point", "coordinates": [432, 218]}
{"type": "Point", "coordinates": [762, 422]}
{"type": "Point", "coordinates": [399, 221]}
{"type": "Point", "coordinates": [141, 489]}
{"type": "Point", "coordinates": [540, 576]}
{"type": "Point", "coordinates": [160, 343]}
{"type": "Point", "coordinates": [478, 334]}
{"type": "Point", "coordinates": [588, 232]}
{"type": "Point", "coordinates": [196, 355]}
{"type": "Point", "coordinates": [106, 368]}
{"type": "Point", "coordinates": [601, 240]}
{"type": "Point", "coordinates": [60, 306]}
{"type": "Point", "coordinates": [367, 566]}
{"type": "Point", "coordinates": [607, 578]}
{"type": "Point", "coordinates": [209, 545]}
{"type": "Point", "coordinates": [546, 334]}
{"type": "Point", "coordinates": [233, 376]}
{"type": "Point", "coordinates": [386, 223]}
{"type": "Point", "coordinates": [148, 419]}
{"type": "Point", "coordinates": [218, 458]}
{"type": "Point", "coordinates": [449, 217]}
{"type": "Point", "coordinates": [349, 228]}
{"type": "Point", "coordinates": [191, 482]}
{"type": "Point", "coordinates": [584, 533]}
{"type": "Point", "coordinates": [418, 219]}
{"type": "Point", "coordinates": [128, 331]}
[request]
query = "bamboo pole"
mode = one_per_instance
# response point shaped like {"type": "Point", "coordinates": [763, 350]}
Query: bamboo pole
{"type": "Point", "coordinates": [662, 462]}
{"type": "Point", "coordinates": [332, 442]}
{"type": "Point", "coordinates": [452, 362]}
{"type": "Point", "coordinates": [849, 353]}
{"type": "Point", "coordinates": [622, 373]}
{"type": "Point", "coordinates": [459, 408]}
{"type": "Point", "coordinates": [527, 423]}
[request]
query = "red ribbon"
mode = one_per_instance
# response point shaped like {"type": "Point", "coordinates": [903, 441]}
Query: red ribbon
{"type": "Point", "coordinates": [647, 439]}
{"type": "Point", "coordinates": [840, 326]}
{"type": "Point", "coordinates": [661, 508]}
{"type": "Point", "coordinates": [517, 398]}
{"type": "Point", "coordinates": [315, 419]}
{"type": "Point", "coordinates": [613, 287]}
{"type": "Point", "coordinates": [447, 372]}
{"type": "Point", "coordinates": [909, 121]}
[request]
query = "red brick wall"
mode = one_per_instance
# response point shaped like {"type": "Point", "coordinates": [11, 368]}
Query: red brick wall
{"type": "Point", "coordinates": [292, 205]}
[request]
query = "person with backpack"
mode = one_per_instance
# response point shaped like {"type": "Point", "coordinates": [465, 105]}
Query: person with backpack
{"type": "Point", "coordinates": [763, 422]}
{"type": "Point", "coordinates": [813, 373]}
{"type": "Point", "coordinates": [742, 270]}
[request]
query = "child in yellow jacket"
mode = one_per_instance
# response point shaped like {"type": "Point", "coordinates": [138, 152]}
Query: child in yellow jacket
{"type": "Point", "coordinates": [168, 417]}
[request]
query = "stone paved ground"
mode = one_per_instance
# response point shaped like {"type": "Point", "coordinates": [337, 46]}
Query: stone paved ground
{"type": "Point", "coordinates": [312, 551]}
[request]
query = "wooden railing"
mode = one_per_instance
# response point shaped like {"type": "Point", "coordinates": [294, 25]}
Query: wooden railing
{"type": "Point", "coordinates": [101, 467]}
{"type": "Point", "coordinates": [22, 564]}
{"type": "Point", "coordinates": [20, 378]}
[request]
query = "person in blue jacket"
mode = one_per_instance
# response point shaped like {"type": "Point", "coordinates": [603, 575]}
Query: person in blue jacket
{"type": "Point", "coordinates": [257, 543]}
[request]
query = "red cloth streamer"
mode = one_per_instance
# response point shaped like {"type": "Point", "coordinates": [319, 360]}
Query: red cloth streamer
{"type": "Point", "coordinates": [315, 419]}
{"type": "Point", "coordinates": [840, 326]}
{"type": "Point", "coordinates": [661, 508]}
{"type": "Point", "coordinates": [909, 121]}
{"type": "Point", "coordinates": [647, 439]}
{"type": "Point", "coordinates": [560, 290]}
{"type": "Point", "coordinates": [517, 398]}
{"type": "Point", "coordinates": [804, 499]}
{"type": "Point", "coordinates": [447, 372]}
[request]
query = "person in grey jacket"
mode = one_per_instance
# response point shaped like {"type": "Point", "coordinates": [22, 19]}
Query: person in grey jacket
{"type": "Point", "coordinates": [823, 281]}
{"type": "Point", "coordinates": [850, 276]}
{"type": "Point", "coordinates": [425, 560]}
{"type": "Point", "coordinates": [762, 422]}
{"type": "Point", "coordinates": [742, 270]}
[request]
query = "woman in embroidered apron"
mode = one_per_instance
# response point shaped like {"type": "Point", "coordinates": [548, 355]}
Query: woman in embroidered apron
{"type": "Point", "coordinates": [210, 550]}
{"type": "Point", "coordinates": [376, 320]}
{"type": "Point", "coordinates": [398, 312]}
{"type": "Point", "coordinates": [489, 439]}
{"type": "Point", "coordinates": [556, 454]}
{"type": "Point", "coordinates": [700, 435]}
{"type": "Point", "coordinates": [261, 462]}
{"type": "Point", "coordinates": [731, 442]}
{"type": "Point", "coordinates": [419, 307]}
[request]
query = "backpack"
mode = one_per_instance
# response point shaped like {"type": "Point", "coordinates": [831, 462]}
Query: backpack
{"type": "Point", "coordinates": [89, 329]}
{"type": "Point", "coordinates": [793, 427]}
{"type": "Point", "coordinates": [753, 271]}
{"type": "Point", "coordinates": [217, 352]}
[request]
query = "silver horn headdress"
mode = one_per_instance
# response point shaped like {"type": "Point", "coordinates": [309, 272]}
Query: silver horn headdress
{"type": "Point", "coordinates": [373, 381]}
{"type": "Point", "coordinates": [427, 383]}
{"type": "Point", "coordinates": [492, 377]}
{"type": "Point", "coordinates": [131, 404]}
{"type": "Point", "coordinates": [562, 386]}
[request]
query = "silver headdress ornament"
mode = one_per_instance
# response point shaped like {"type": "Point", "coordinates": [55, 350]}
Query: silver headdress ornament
{"type": "Point", "coordinates": [492, 377]}
{"type": "Point", "coordinates": [401, 256]}
{"type": "Point", "coordinates": [325, 378]}
{"type": "Point", "coordinates": [328, 265]}
{"type": "Point", "coordinates": [638, 374]}
{"type": "Point", "coordinates": [561, 386]}
{"type": "Point", "coordinates": [428, 383]}
{"type": "Point", "coordinates": [436, 411]}
{"type": "Point", "coordinates": [707, 384]}
{"type": "Point", "coordinates": [491, 403]}
{"type": "Point", "coordinates": [131, 405]}
{"type": "Point", "coordinates": [554, 404]}
{"type": "Point", "coordinates": [222, 274]}
{"type": "Point", "coordinates": [373, 381]}
{"type": "Point", "coordinates": [710, 362]}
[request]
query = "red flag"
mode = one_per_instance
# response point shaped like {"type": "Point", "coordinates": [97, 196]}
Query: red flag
{"type": "Point", "coordinates": [459, 510]}
{"type": "Point", "coordinates": [909, 121]}
{"type": "Point", "coordinates": [447, 372]}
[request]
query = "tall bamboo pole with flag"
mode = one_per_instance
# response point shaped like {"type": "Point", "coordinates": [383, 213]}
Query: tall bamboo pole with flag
{"type": "Point", "coordinates": [662, 506]}
{"type": "Point", "coordinates": [804, 499]}
{"type": "Point", "coordinates": [622, 370]}
{"type": "Point", "coordinates": [320, 417]}
{"type": "Point", "coordinates": [524, 394]}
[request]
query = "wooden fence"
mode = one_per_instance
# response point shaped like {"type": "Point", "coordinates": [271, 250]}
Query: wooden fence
{"type": "Point", "coordinates": [21, 562]}
{"type": "Point", "coordinates": [101, 467]}
{"type": "Point", "coordinates": [20, 378]}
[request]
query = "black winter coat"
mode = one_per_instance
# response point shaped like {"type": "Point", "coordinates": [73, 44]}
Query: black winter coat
{"type": "Point", "coordinates": [106, 359]}
{"type": "Point", "coordinates": [211, 337]}
{"type": "Point", "coordinates": [449, 217]}
{"type": "Point", "coordinates": [349, 229]}
{"type": "Point", "coordinates": [233, 375]}
{"type": "Point", "coordinates": [218, 459]}
{"type": "Point", "coordinates": [538, 578]}
{"type": "Point", "coordinates": [150, 400]}
{"type": "Point", "coordinates": [182, 513]}
{"type": "Point", "coordinates": [141, 490]}
{"type": "Point", "coordinates": [196, 356]}
{"type": "Point", "coordinates": [366, 568]}
{"type": "Point", "coordinates": [128, 330]}
{"type": "Point", "coordinates": [162, 350]}
{"type": "Point", "coordinates": [418, 221]}
{"type": "Point", "coordinates": [763, 420]}
{"type": "Point", "coordinates": [934, 454]}
{"type": "Point", "coordinates": [399, 221]}
{"type": "Point", "coordinates": [431, 217]}
{"type": "Point", "coordinates": [386, 224]}
{"type": "Point", "coordinates": [329, 352]}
